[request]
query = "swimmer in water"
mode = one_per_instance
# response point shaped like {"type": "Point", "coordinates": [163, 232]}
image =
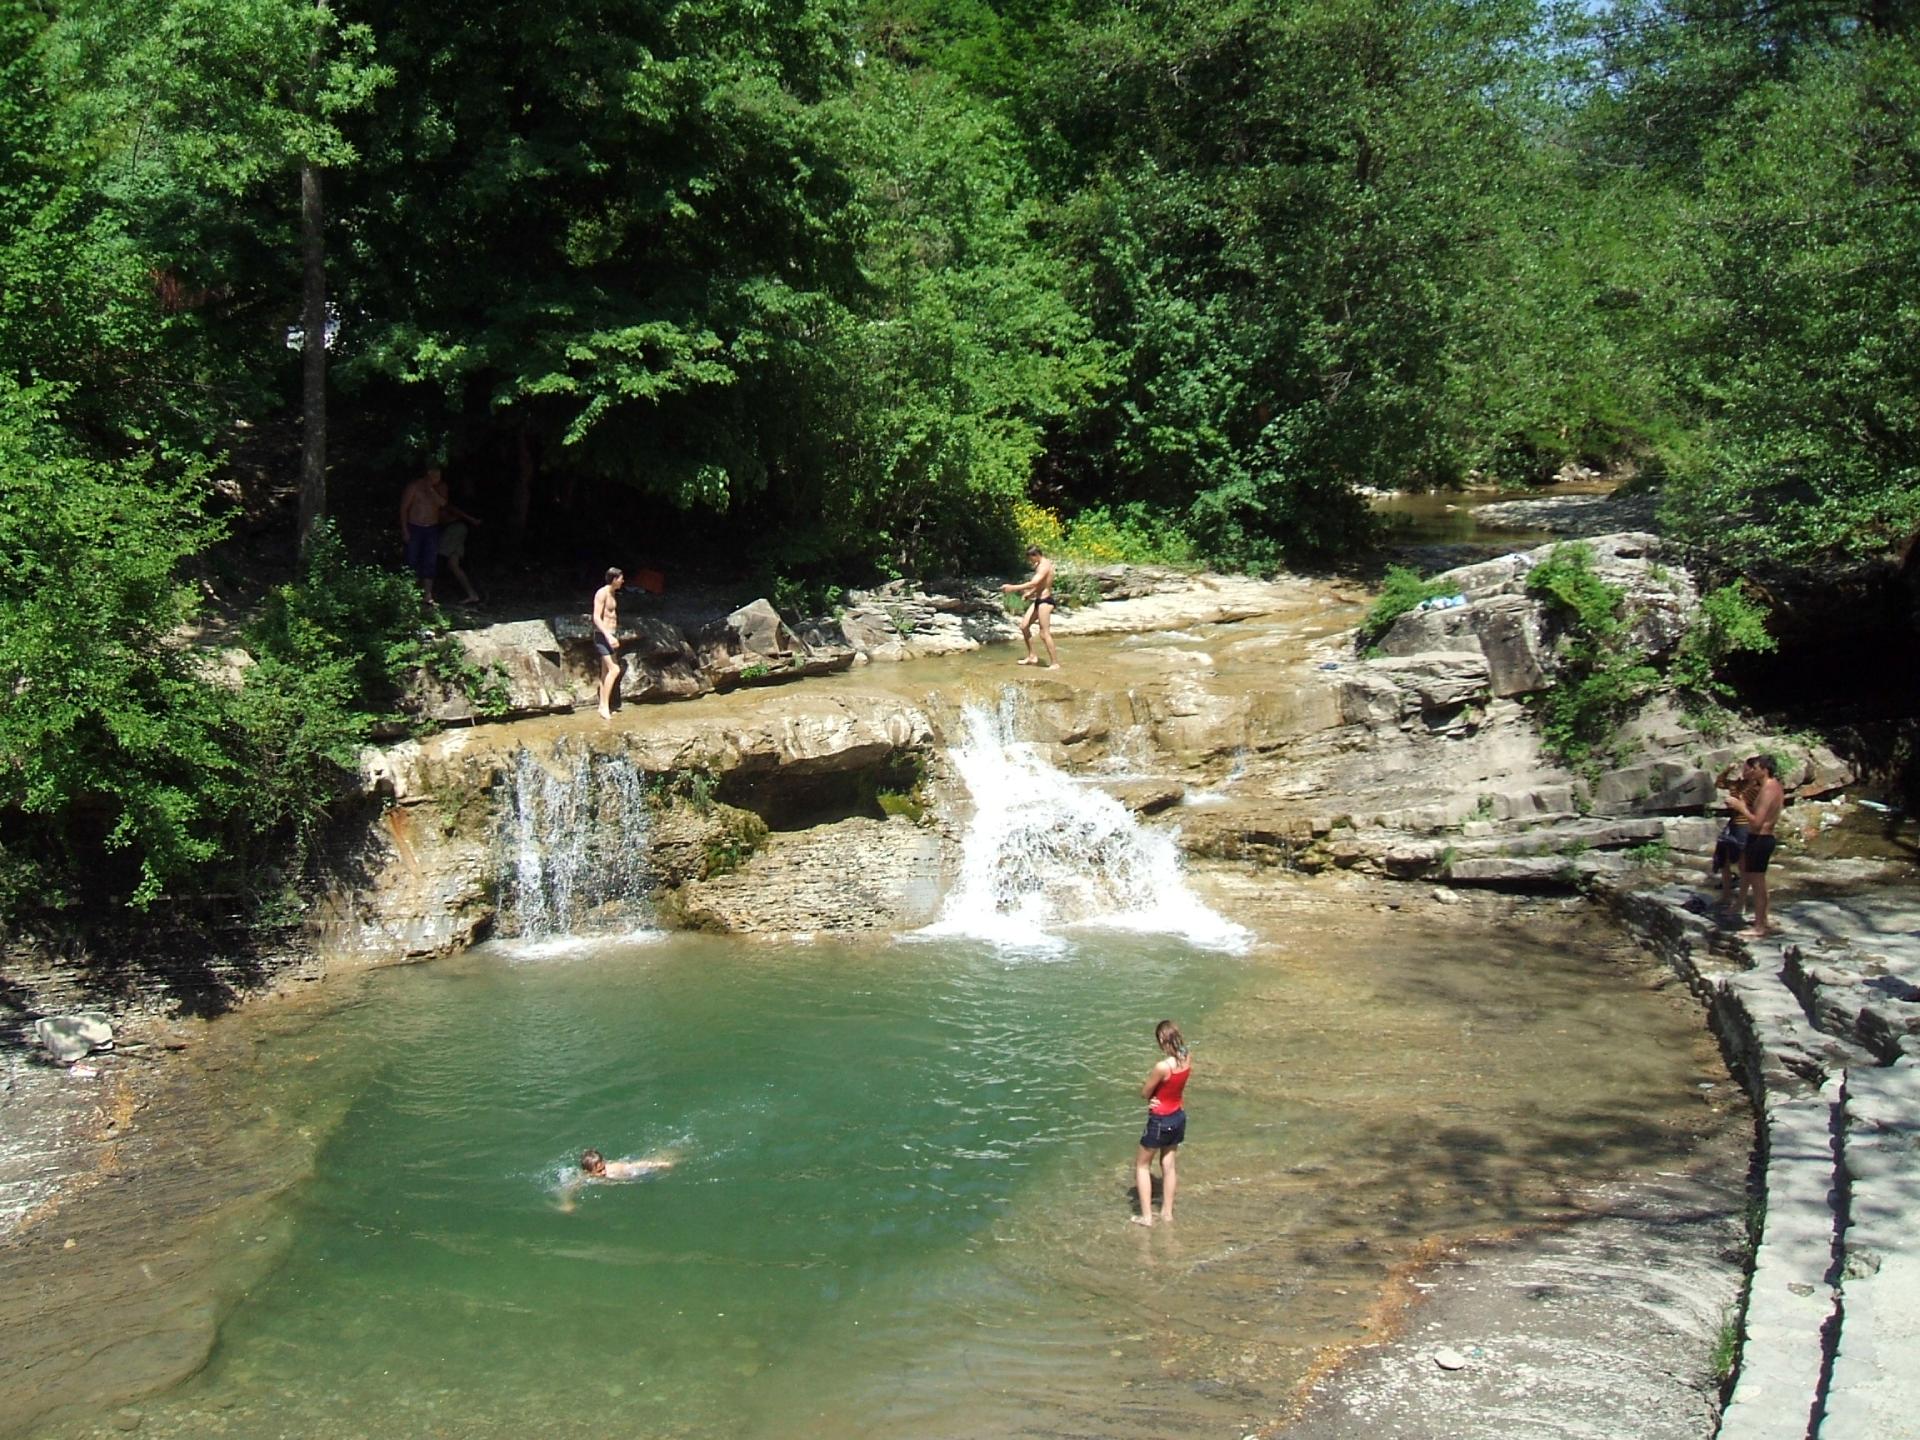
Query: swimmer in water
{"type": "Point", "coordinates": [596, 1169]}
{"type": "Point", "coordinates": [1166, 1123]}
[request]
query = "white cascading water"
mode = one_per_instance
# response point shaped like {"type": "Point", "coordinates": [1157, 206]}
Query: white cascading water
{"type": "Point", "coordinates": [573, 842]}
{"type": "Point", "coordinates": [1044, 852]}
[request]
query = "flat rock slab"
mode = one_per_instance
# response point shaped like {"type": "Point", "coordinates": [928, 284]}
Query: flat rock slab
{"type": "Point", "coordinates": [1875, 1392]}
{"type": "Point", "coordinates": [1563, 1333]}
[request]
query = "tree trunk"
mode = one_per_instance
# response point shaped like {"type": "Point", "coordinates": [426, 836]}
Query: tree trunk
{"type": "Point", "coordinates": [313, 354]}
{"type": "Point", "coordinates": [523, 487]}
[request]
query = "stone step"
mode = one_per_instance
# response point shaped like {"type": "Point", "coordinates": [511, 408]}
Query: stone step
{"type": "Point", "coordinates": [1790, 1302]}
{"type": "Point", "coordinates": [1874, 1393]}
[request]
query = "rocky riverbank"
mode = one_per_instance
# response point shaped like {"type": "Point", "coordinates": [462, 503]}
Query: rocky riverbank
{"type": "Point", "coordinates": [1242, 713]}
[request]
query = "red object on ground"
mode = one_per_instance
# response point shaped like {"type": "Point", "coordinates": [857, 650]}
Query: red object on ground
{"type": "Point", "coordinates": [651, 581]}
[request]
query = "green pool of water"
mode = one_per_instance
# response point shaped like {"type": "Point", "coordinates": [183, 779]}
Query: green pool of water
{"type": "Point", "coordinates": [899, 1201]}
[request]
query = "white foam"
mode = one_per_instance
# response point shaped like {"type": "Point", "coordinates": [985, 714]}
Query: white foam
{"type": "Point", "coordinates": [572, 839]}
{"type": "Point", "coordinates": [572, 947]}
{"type": "Point", "coordinates": [1045, 853]}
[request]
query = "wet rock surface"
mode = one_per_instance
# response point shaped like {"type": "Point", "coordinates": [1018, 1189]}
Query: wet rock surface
{"type": "Point", "coordinates": [113, 1275]}
{"type": "Point", "coordinates": [852, 875]}
{"type": "Point", "coordinates": [1574, 515]}
{"type": "Point", "coordinates": [1841, 1166]}
{"type": "Point", "coordinates": [1564, 1332]}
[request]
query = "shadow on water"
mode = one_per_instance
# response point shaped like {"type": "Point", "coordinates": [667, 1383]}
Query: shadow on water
{"type": "Point", "coordinates": [171, 963]}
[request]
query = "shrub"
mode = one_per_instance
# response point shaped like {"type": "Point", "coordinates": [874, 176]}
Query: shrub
{"type": "Point", "coordinates": [895, 802]}
{"type": "Point", "coordinates": [116, 769]}
{"type": "Point", "coordinates": [333, 653]}
{"type": "Point", "coordinates": [1566, 579]}
{"type": "Point", "coordinates": [801, 597]}
{"type": "Point", "coordinates": [1401, 590]}
{"type": "Point", "coordinates": [737, 835]}
{"type": "Point", "coordinates": [1653, 852]}
{"type": "Point", "coordinates": [1129, 534]}
{"type": "Point", "coordinates": [1729, 622]}
{"type": "Point", "coordinates": [1036, 525]}
{"type": "Point", "coordinates": [1603, 676]}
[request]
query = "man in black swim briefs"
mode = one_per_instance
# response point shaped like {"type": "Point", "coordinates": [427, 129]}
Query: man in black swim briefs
{"type": "Point", "coordinates": [1040, 606]}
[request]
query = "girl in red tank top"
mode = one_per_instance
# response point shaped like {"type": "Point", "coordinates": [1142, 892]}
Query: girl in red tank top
{"type": "Point", "coordinates": [1165, 1091]}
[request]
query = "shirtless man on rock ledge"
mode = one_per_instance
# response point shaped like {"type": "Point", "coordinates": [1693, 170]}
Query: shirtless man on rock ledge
{"type": "Point", "coordinates": [1039, 593]}
{"type": "Point", "coordinates": [1762, 815]}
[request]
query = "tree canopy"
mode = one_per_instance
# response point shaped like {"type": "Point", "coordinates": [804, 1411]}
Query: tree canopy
{"type": "Point", "coordinates": [844, 289]}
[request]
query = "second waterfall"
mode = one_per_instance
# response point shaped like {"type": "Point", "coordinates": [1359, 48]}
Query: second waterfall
{"type": "Point", "coordinates": [1046, 851]}
{"type": "Point", "coordinates": [573, 845]}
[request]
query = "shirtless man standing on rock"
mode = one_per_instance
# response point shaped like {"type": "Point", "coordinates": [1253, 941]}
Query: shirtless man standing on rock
{"type": "Point", "coordinates": [1039, 593]}
{"type": "Point", "coordinates": [1762, 815]}
{"type": "Point", "coordinates": [420, 506]}
{"type": "Point", "coordinates": [606, 640]}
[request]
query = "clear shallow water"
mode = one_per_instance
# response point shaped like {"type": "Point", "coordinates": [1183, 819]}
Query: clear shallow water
{"type": "Point", "coordinates": [899, 1204]}
{"type": "Point", "coordinates": [1442, 517]}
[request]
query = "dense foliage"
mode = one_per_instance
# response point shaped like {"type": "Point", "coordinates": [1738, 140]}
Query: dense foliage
{"type": "Point", "coordinates": [1602, 676]}
{"type": "Point", "coordinates": [821, 290]}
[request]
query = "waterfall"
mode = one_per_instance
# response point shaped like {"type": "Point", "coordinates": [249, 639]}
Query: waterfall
{"type": "Point", "coordinates": [572, 845]}
{"type": "Point", "coordinates": [1045, 851]}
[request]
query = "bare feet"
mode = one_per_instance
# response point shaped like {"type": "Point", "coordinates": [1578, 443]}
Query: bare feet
{"type": "Point", "coordinates": [1166, 1217]}
{"type": "Point", "coordinates": [1753, 933]}
{"type": "Point", "coordinates": [1030, 660]}
{"type": "Point", "coordinates": [605, 714]}
{"type": "Point", "coordinates": [1146, 1220]}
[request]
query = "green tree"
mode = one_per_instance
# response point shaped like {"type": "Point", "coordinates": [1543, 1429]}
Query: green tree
{"type": "Point", "coordinates": [110, 742]}
{"type": "Point", "coordinates": [215, 120]}
{"type": "Point", "coordinates": [947, 370]}
{"type": "Point", "coordinates": [600, 226]}
{"type": "Point", "coordinates": [1800, 342]}
{"type": "Point", "coordinates": [1278, 210]}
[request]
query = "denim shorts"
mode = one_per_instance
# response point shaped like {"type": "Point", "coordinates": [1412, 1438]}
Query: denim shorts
{"type": "Point", "coordinates": [423, 549]}
{"type": "Point", "coordinates": [1164, 1131]}
{"type": "Point", "coordinates": [1726, 852]}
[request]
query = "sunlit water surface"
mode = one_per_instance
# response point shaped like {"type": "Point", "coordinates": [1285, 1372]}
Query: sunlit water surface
{"type": "Point", "coordinates": [899, 1205]}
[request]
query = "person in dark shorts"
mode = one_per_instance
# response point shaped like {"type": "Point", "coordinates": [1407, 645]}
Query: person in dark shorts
{"type": "Point", "coordinates": [454, 525]}
{"type": "Point", "coordinates": [420, 506]}
{"type": "Point", "coordinates": [1763, 815]}
{"type": "Point", "coordinates": [1742, 783]}
{"type": "Point", "coordinates": [1164, 1092]}
{"type": "Point", "coordinates": [606, 642]}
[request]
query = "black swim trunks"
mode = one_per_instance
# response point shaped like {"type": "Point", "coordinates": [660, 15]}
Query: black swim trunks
{"type": "Point", "coordinates": [1163, 1132]}
{"type": "Point", "coordinates": [1045, 600]}
{"type": "Point", "coordinates": [600, 645]}
{"type": "Point", "coordinates": [1758, 854]}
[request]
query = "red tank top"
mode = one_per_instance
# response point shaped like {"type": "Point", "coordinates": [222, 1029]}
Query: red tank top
{"type": "Point", "coordinates": [1166, 1098]}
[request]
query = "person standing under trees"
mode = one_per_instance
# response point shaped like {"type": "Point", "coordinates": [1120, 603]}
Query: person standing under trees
{"type": "Point", "coordinates": [1762, 816]}
{"type": "Point", "coordinates": [606, 640]}
{"type": "Point", "coordinates": [454, 523]}
{"type": "Point", "coordinates": [1039, 593]}
{"type": "Point", "coordinates": [420, 505]}
{"type": "Point", "coordinates": [1165, 1092]}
